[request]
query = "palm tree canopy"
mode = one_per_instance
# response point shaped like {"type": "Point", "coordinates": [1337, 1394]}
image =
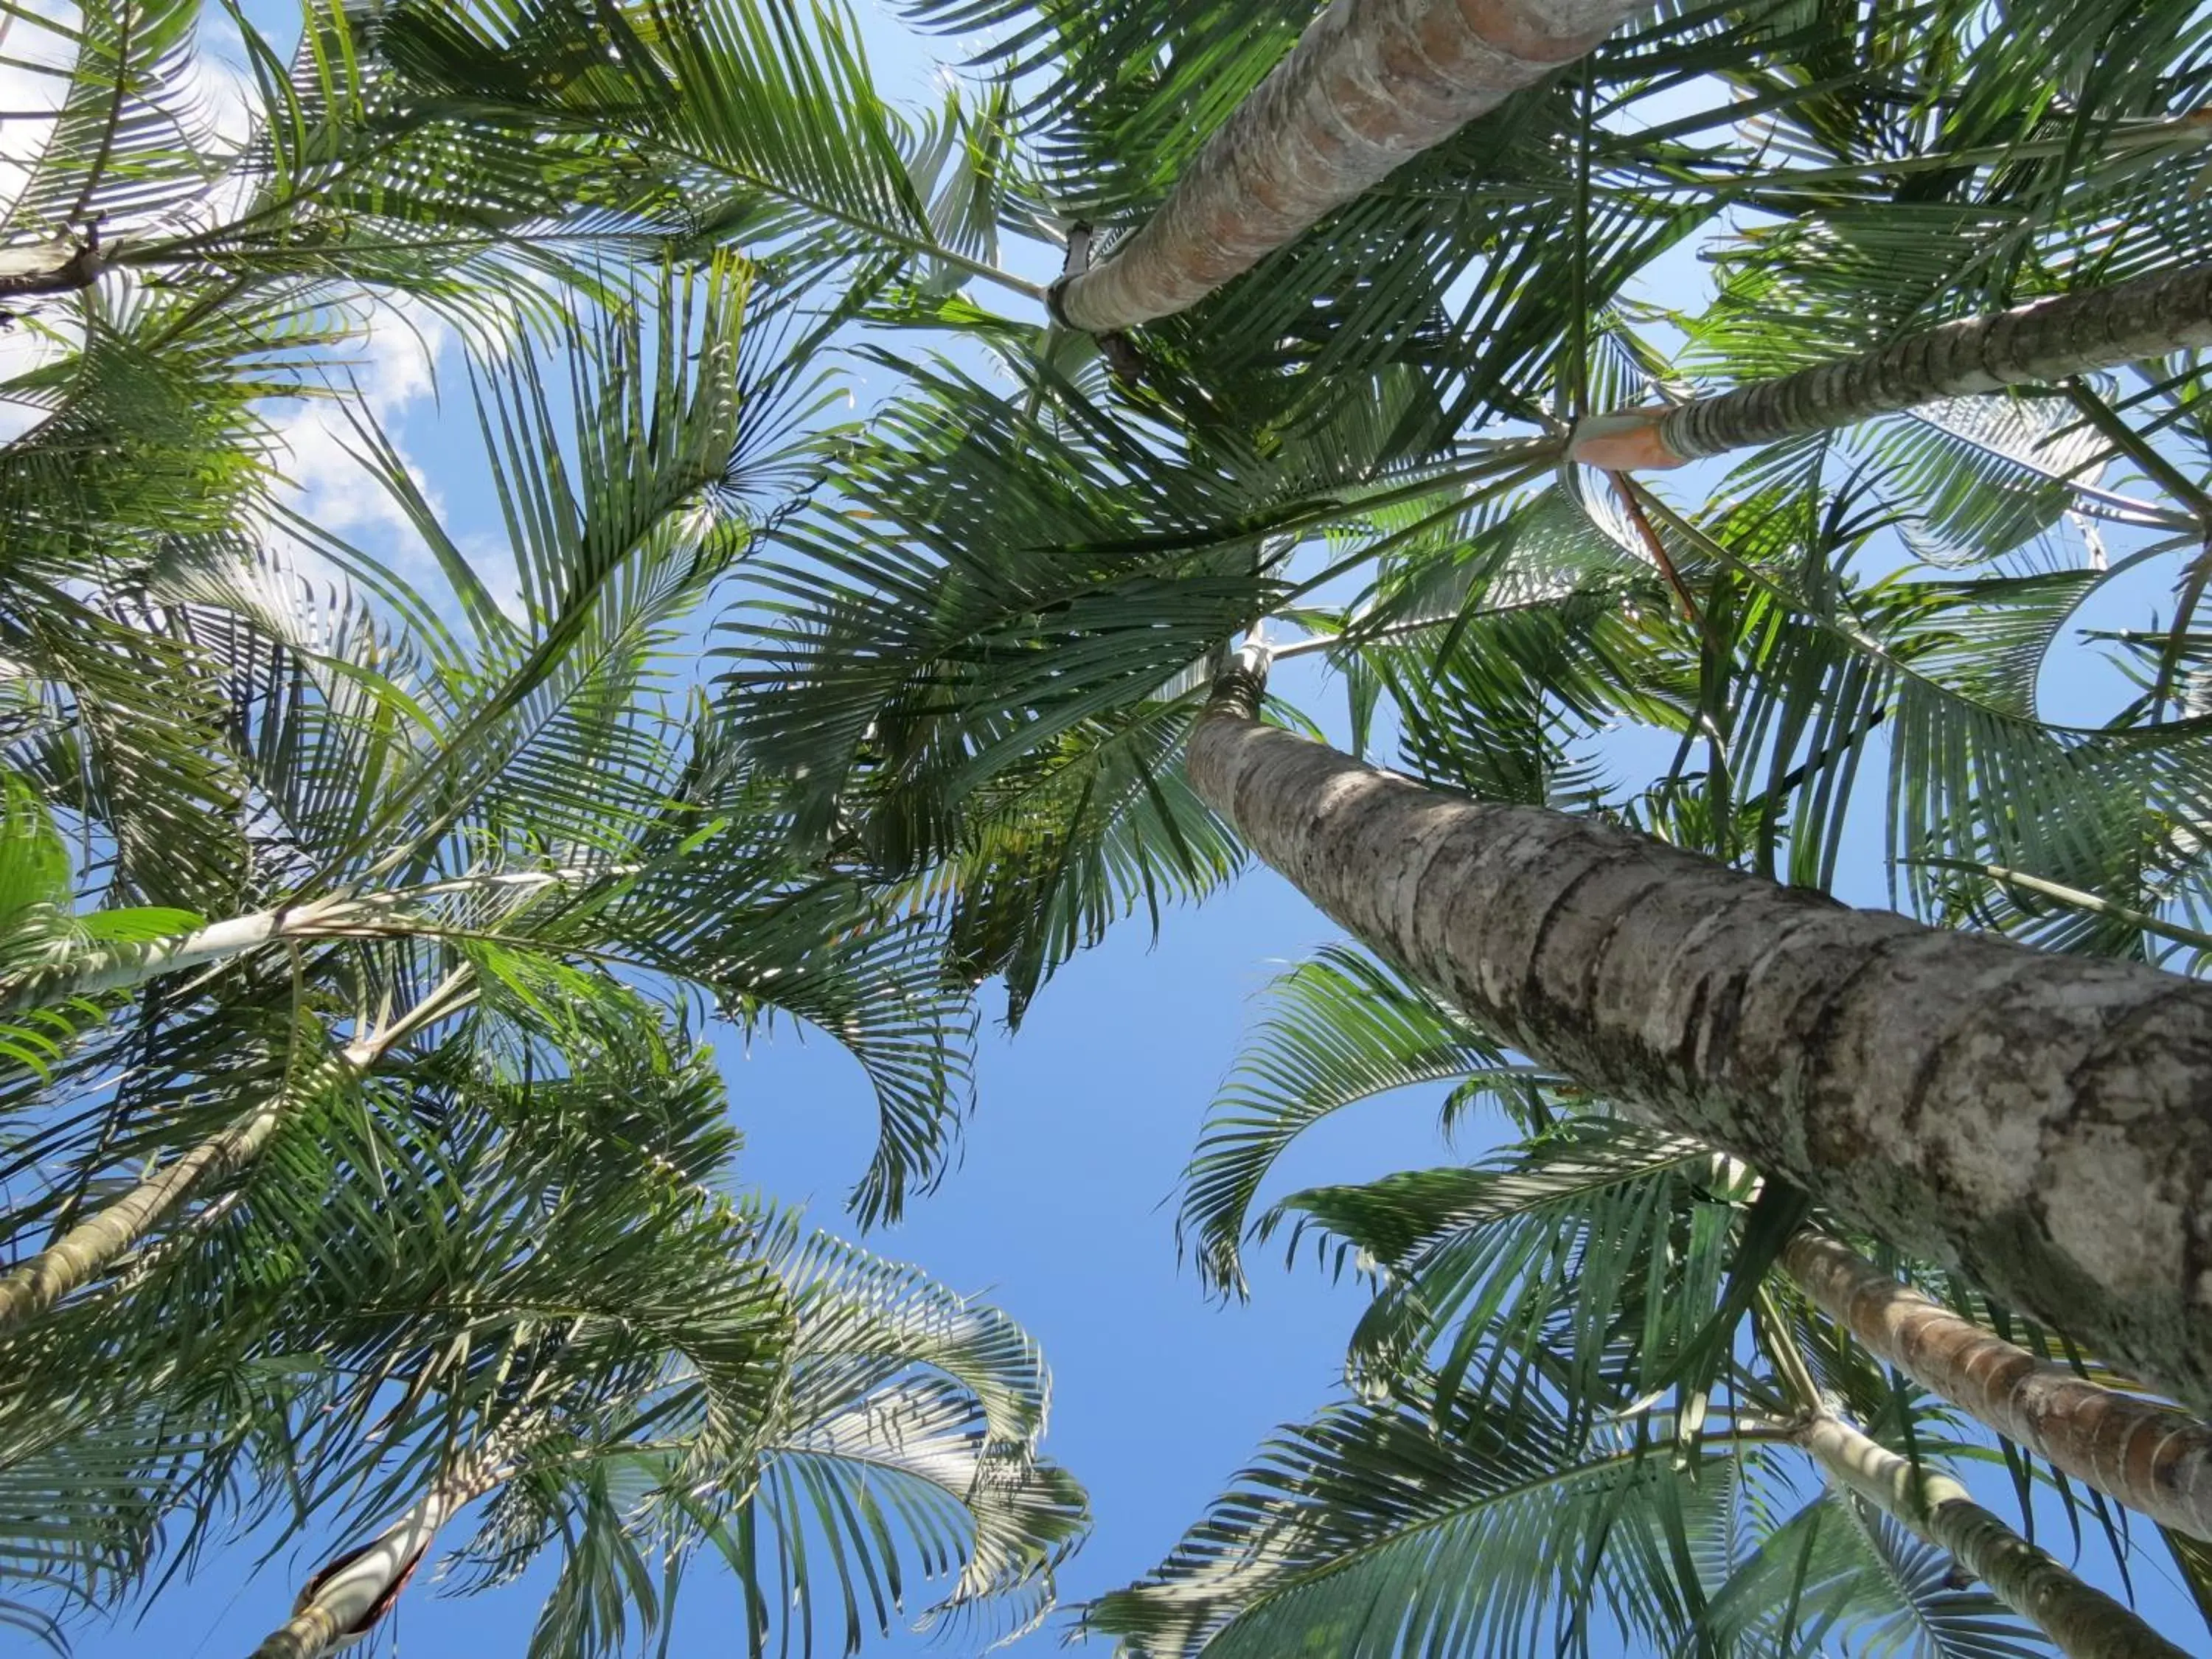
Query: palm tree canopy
{"type": "Point", "coordinates": [966, 653]}
{"type": "Point", "coordinates": [382, 878]}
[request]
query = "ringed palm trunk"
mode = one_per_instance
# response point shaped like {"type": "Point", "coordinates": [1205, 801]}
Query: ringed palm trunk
{"type": "Point", "coordinates": [2038, 344]}
{"type": "Point", "coordinates": [1371, 84]}
{"type": "Point", "coordinates": [88, 1249]}
{"type": "Point", "coordinates": [2156, 1460]}
{"type": "Point", "coordinates": [2041, 1123]}
{"type": "Point", "coordinates": [2081, 1620]}
{"type": "Point", "coordinates": [342, 1601]}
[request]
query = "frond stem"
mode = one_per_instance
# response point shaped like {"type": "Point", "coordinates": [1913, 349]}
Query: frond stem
{"type": "Point", "coordinates": [2075, 899]}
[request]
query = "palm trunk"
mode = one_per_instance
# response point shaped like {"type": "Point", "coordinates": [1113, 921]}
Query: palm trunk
{"type": "Point", "coordinates": [88, 1249]}
{"type": "Point", "coordinates": [1371, 84]}
{"type": "Point", "coordinates": [373, 915]}
{"type": "Point", "coordinates": [83, 1253]}
{"type": "Point", "coordinates": [342, 1602]}
{"type": "Point", "coordinates": [2041, 1123]}
{"type": "Point", "coordinates": [2038, 344]}
{"type": "Point", "coordinates": [2081, 1621]}
{"type": "Point", "coordinates": [56, 267]}
{"type": "Point", "coordinates": [120, 967]}
{"type": "Point", "coordinates": [2155, 1460]}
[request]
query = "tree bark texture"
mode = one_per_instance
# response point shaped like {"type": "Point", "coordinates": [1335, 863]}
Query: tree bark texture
{"type": "Point", "coordinates": [1369, 85]}
{"type": "Point", "coordinates": [2035, 344]}
{"type": "Point", "coordinates": [2041, 1123]}
{"type": "Point", "coordinates": [2082, 1621]}
{"type": "Point", "coordinates": [2156, 1460]}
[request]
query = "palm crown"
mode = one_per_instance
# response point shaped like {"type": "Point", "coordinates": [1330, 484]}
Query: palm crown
{"type": "Point", "coordinates": [353, 1037]}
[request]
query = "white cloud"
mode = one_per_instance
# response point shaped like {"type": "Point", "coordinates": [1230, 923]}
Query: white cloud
{"type": "Point", "coordinates": [392, 374]}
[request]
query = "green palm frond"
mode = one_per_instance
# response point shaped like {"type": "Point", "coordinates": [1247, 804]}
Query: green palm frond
{"type": "Point", "coordinates": [1836, 1572]}
{"type": "Point", "coordinates": [752, 123]}
{"type": "Point", "coordinates": [1387, 1530]}
{"type": "Point", "coordinates": [1591, 1258]}
{"type": "Point", "coordinates": [1984, 475]}
{"type": "Point", "coordinates": [413, 149]}
{"type": "Point", "coordinates": [1950, 671]}
{"type": "Point", "coordinates": [907, 1401]}
{"type": "Point", "coordinates": [1058, 848]}
{"type": "Point", "coordinates": [133, 127]}
{"type": "Point", "coordinates": [978, 587]}
{"type": "Point", "coordinates": [1342, 1029]}
{"type": "Point", "coordinates": [899, 1448]}
{"type": "Point", "coordinates": [540, 780]}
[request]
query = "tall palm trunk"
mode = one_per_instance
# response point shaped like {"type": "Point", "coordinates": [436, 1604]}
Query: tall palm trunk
{"type": "Point", "coordinates": [342, 1601]}
{"type": "Point", "coordinates": [2081, 1621]}
{"type": "Point", "coordinates": [2155, 1460]}
{"type": "Point", "coordinates": [1371, 84]}
{"type": "Point", "coordinates": [87, 1249]}
{"type": "Point", "coordinates": [2040, 1122]}
{"type": "Point", "coordinates": [84, 1251]}
{"type": "Point", "coordinates": [2038, 344]}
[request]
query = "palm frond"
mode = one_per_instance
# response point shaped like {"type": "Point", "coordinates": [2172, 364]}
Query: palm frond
{"type": "Point", "coordinates": [1342, 1029]}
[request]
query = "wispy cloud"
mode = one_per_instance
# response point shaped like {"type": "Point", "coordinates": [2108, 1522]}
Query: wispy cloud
{"type": "Point", "coordinates": [389, 374]}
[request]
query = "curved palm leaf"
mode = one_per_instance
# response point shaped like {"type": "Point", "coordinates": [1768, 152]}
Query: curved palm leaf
{"type": "Point", "coordinates": [1342, 1030]}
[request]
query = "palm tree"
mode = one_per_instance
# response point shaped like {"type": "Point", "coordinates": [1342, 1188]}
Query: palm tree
{"type": "Point", "coordinates": [402, 833]}
{"type": "Point", "coordinates": [1342, 1030]}
{"type": "Point", "coordinates": [190, 244]}
{"type": "Point", "coordinates": [2152, 1459]}
{"type": "Point", "coordinates": [2046, 344]}
{"type": "Point", "coordinates": [1360, 94]}
{"type": "Point", "coordinates": [975, 644]}
{"type": "Point", "coordinates": [523, 1276]}
{"type": "Point", "coordinates": [1558, 1420]}
{"type": "Point", "coordinates": [816, 1418]}
{"type": "Point", "coordinates": [1852, 1053]}
{"type": "Point", "coordinates": [382, 809]}
{"type": "Point", "coordinates": [1392, 1529]}
{"type": "Point", "coordinates": [282, 1095]}
{"type": "Point", "coordinates": [383, 869]}
{"type": "Point", "coordinates": [1006, 576]}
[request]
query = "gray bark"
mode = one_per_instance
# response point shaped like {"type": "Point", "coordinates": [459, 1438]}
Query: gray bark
{"type": "Point", "coordinates": [1371, 84]}
{"type": "Point", "coordinates": [2155, 1460]}
{"type": "Point", "coordinates": [2041, 1123]}
{"type": "Point", "coordinates": [2038, 344]}
{"type": "Point", "coordinates": [2083, 1622]}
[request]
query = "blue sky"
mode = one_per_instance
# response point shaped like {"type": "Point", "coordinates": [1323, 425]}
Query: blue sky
{"type": "Point", "coordinates": [1060, 1209]}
